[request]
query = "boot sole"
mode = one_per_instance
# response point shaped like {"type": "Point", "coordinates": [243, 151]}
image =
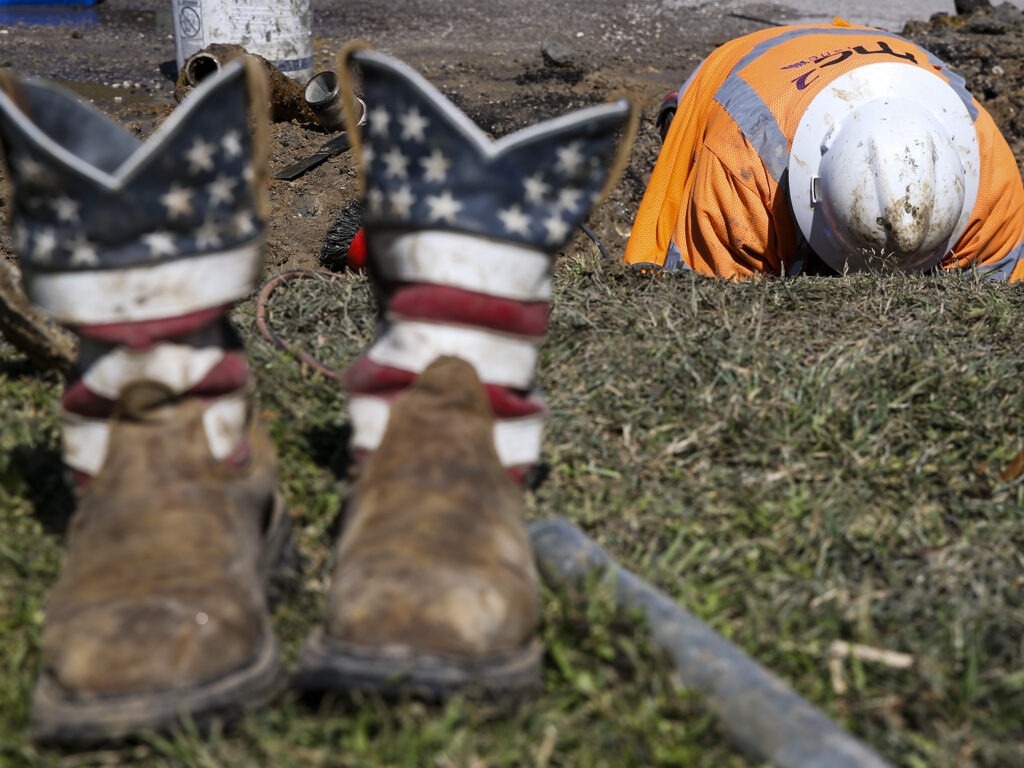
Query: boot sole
{"type": "Point", "coordinates": [326, 664]}
{"type": "Point", "coordinates": [61, 717]}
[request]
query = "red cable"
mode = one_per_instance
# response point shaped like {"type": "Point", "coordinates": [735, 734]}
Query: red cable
{"type": "Point", "coordinates": [261, 318]}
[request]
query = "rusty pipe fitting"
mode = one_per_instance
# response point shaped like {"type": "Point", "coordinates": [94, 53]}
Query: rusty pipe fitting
{"type": "Point", "coordinates": [323, 96]}
{"type": "Point", "coordinates": [286, 96]}
{"type": "Point", "coordinates": [199, 67]}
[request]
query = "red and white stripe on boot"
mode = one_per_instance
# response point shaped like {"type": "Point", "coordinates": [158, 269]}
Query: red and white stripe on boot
{"type": "Point", "coordinates": [446, 293]}
{"type": "Point", "coordinates": [207, 364]}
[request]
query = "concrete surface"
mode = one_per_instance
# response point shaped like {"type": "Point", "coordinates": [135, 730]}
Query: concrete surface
{"type": "Point", "coordinates": [891, 14]}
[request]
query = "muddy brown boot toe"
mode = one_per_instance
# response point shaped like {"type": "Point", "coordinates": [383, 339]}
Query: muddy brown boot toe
{"type": "Point", "coordinates": [160, 612]}
{"type": "Point", "coordinates": [434, 587]}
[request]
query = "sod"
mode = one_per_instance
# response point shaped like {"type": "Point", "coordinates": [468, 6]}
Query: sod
{"type": "Point", "coordinates": [800, 463]}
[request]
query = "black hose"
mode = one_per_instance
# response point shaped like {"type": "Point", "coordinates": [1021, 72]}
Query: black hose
{"type": "Point", "coordinates": [600, 246]}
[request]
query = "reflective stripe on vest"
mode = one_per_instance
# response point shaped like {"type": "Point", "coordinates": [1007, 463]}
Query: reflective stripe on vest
{"type": "Point", "coordinates": [1003, 269]}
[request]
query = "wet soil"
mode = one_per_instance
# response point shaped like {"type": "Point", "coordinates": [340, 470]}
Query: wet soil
{"type": "Point", "coordinates": [506, 64]}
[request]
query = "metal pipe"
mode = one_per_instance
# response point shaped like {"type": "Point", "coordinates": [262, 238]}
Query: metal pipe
{"type": "Point", "coordinates": [286, 95]}
{"type": "Point", "coordinates": [200, 66]}
{"type": "Point", "coordinates": [323, 96]}
{"type": "Point", "coordinates": [760, 712]}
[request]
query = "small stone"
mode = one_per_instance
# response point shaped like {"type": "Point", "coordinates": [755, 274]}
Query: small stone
{"type": "Point", "coordinates": [556, 55]}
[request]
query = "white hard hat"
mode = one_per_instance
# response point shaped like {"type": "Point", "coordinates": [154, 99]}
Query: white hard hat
{"type": "Point", "coordinates": [884, 169]}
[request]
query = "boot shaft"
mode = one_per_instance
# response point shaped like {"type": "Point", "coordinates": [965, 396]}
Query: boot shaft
{"type": "Point", "coordinates": [461, 234]}
{"type": "Point", "coordinates": [141, 248]}
{"type": "Point", "coordinates": [112, 231]}
{"type": "Point", "coordinates": [116, 385]}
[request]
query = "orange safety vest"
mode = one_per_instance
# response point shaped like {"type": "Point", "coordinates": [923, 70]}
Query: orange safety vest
{"type": "Point", "coordinates": [717, 200]}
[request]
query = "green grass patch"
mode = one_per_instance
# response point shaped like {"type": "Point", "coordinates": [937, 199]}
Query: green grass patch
{"type": "Point", "coordinates": [796, 462]}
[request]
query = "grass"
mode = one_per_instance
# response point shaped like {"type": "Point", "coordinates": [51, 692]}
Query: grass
{"type": "Point", "coordinates": [796, 462]}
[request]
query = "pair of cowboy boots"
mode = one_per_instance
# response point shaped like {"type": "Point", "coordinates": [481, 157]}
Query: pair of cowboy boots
{"type": "Point", "coordinates": [160, 612]}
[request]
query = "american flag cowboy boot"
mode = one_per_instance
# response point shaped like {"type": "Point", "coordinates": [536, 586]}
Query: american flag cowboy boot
{"type": "Point", "coordinates": [434, 587]}
{"type": "Point", "coordinates": [141, 249]}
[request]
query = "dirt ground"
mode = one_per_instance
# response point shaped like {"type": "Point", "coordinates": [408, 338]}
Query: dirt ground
{"type": "Point", "coordinates": [507, 64]}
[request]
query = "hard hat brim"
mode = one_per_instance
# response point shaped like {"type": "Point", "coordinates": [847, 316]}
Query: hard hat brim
{"type": "Point", "coordinates": [904, 82]}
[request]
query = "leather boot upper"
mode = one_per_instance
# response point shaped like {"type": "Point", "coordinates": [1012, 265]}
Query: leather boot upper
{"type": "Point", "coordinates": [163, 580]}
{"type": "Point", "coordinates": [435, 554]}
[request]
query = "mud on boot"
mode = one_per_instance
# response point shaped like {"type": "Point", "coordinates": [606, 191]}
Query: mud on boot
{"type": "Point", "coordinates": [160, 614]}
{"type": "Point", "coordinates": [434, 588]}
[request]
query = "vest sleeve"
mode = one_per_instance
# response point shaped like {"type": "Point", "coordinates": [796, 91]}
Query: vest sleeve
{"type": "Point", "coordinates": [727, 230]}
{"type": "Point", "coordinates": [994, 238]}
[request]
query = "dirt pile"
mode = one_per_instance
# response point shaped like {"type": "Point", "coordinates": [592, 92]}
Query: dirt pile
{"type": "Point", "coordinates": [987, 48]}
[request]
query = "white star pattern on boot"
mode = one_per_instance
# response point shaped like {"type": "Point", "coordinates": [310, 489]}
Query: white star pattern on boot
{"type": "Point", "coordinates": [66, 209]}
{"type": "Point", "coordinates": [443, 207]}
{"type": "Point", "coordinates": [83, 253]}
{"type": "Point", "coordinates": [243, 223]}
{"type": "Point", "coordinates": [402, 202]}
{"type": "Point", "coordinates": [435, 167]}
{"type": "Point", "coordinates": [430, 164]}
{"type": "Point", "coordinates": [379, 120]}
{"type": "Point", "coordinates": [556, 228]}
{"type": "Point", "coordinates": [219, 190]}
{"type": "Point", "coordinates": [396, 165]}
{"type": "Point", "coordinates": [208, 235]}
{"type": "Point", "coordinates": [536, 188]}
{"type": "Point", "coordinates": [45, 244]}
{"type": "Point", "coordinates": [569, 199]}
{"type": "Point", "coordinates": [515, 221]}
{"type": "Point", "coordinates": [160, 244]}
{"type": "Point", "coordinates": [177, 201]}
{"type": "Point", "coordinates": [570, 159]}
{"type": "Point", "coordinates": [232, 144]}
{"type": "Point", "coordinates": [200, 157]}
{"type": "Point", "coordinates": [414, 125]}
